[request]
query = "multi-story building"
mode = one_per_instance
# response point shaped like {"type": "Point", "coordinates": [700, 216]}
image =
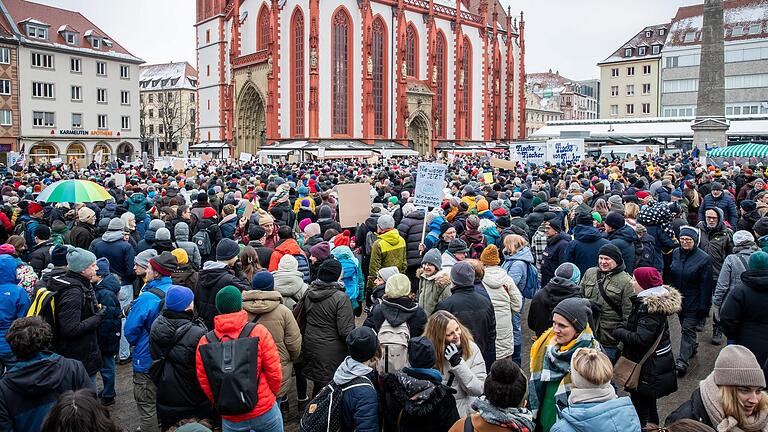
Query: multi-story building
{"type": "Point", "coordinates": [167, 108]}
{"type": "Point", "coordinates": [78, 88]}
{"type": "Point", "coordinates": [539, 111]}
{"type": "Point", "coordinates": [577, 101]}
{"type": "Point", "coordinates": [745, 26]}
{"type": "Point", "coordinates": [9, 91]}
{"type": "Point", "coordinates": [359, 73]}
{"type": "Point", "coordinates": [631, 76]}
{"type": "Point", "coordinates": [591, 88]}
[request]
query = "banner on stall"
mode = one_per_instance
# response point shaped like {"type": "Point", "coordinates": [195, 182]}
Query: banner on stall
{"type": "Point", "coordinates": [354, 203]}
{"type": "Point", "coordinates": [565, 151]}
{"type": "Point", "coordinates": [57, 161]}
{"type": "Point", "coordinates": [430, 178]}
{"type": "Point", "coordinates": [245, 157]}
{"type": "Point", "coordinates": [529, 152]}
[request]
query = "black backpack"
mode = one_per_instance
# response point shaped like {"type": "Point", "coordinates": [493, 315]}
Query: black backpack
{"type": "Point", "coordinates": [232, 370]}
{"type": "Point", "coordinates": [644, 252]}
{"type": "Point", "coordinates": [323, 413]}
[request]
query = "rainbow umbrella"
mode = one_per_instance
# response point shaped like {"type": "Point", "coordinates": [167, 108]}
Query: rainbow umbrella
{"type": "Point", "coordinates": [74, 191]}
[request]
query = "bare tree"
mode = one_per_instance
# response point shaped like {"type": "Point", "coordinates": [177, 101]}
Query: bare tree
{"type": "Point", "coordinates": [175, 118]}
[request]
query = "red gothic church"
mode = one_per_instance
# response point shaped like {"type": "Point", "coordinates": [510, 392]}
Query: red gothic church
{"type": "Point", "coordinates": [358, 74]}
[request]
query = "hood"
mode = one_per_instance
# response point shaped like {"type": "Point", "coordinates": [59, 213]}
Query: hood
{"type": "Point", "coordinates": [756, 279]}
{"type": "Point", "coordinates": [392, 237]}
{"type": "Point", "coordinates": [137, 198]}
{"type": "Point", "coordinates": [587, 234]}
{"type": "Point", "coordinates": [324, 212]}
{"type": "Point", "coordinates": [181, 231]}
{"type": "Point", "coordinates": [527, 194]}
{"type": "Point", "coordinates": [398, 311]}
{"type": "Point", "coordinates": [166, 325]}
{"type": "Point", "coordinates": [558, 237]}
{"type": "Point", "coordinates": [319, 290]}
{"type": "Point", "coordinates": [342, 252]}
{"type": "Point", "coordinates": [350, 369]}
{"type": "Point", "coordinates": [607, 416]}
{"type": "Point", "coordinates": [624, 233]}
{"type": "Point", "coordinates": [112, 236]}
{"type": "Point", "coordinates": [8, 270]}
{"type": "Point", "coordinates": [150, 234]}
{"type": "Point", "coordinates": [541, 208]}
{"type": "Point", "coordinates": [669, 303]}
{"type": "Point", "coordinates": [437, 221]}
{"type": "Point", "coordinates": [36, 378]}
{"type": "Point", "coordinates": [719, 227]}
{"type": "Point", "coordinates": [214, 265]}
{"type": "Point", "coordinates": [418, 397]}
{"type": "Point", "coordinates": [523, 254]}
{"type": "Point", "coordinates": [559, 288]}
{"type": "Point", "coordinates": [228, 218]}
{"type": "Point", "coordinates": [495, 277]}
{"type": "Point", "coordinates": [288, 282]}
{"type": "Point", "coordinates": [261, 302]}
{"type": "Point", "coordinates": [289, 247]}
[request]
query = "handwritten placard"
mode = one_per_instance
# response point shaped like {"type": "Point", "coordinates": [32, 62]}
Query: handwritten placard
{"type": "Point", "coordinates": [430, 178]}
{"type": "Point", "coordinates": [529, 153]}
{"type": "Point", "coordinates": [565, 151]}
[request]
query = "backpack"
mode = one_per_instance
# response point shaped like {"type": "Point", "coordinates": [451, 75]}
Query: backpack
{"type": "Point", "coordinates": [231, 367]}
{"type": "Point", "coordinates": [21, 229]}
{"type": "Point", "coordinates": [303, 267]}
{"type": "Point", "coordinates": [324, 412]}
{"type": "Point", "coordinates": [394, 347]}
{"type": "Point", "coordinates": [370, 239]}
{"type": "Point", "coordinates": [203, 241]}
{"type": "Point", "coordinates": [644, 253]}
{"type": "Point", "coordinates": [43, 306]}
{"type": "Point", "coordinates": [531, 279]}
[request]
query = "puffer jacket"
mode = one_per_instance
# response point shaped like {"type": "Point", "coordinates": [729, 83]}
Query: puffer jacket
{"type": "Point", "coordinates": [416, 400]}
{"type": "Point", "coordinates": [725, 203]}
{"type": "Point", "coordinates": [289, 282]}
{"type": "Point", "coordinates": [351, 274]}
{"type": "Point", "coordinates": [506, 299]}
{"type": "Point", "coordinates": [138, 204]}
{"type": "Point", "coordinates": [625, 238]}
{"type": "Point", "coordinates": [717, 242]}
{"type": "Point", "coordinates": [211, 279]}
{"type": "Point", "coordinates": [410, 229]}
{"type": "Point", "coordinates": [743, 316]}
{"type": "Point", "coordinates": [266, 308]}
{"type": "Point", "coordinates": [647, 319]}
{"type": "Point", "coordinates": [432, 237]}
{"type": "Point", "coordinates": [110, 328]}
{"type": "Point", "coordinates": [174, 336]}
{"type": "Point", "coordinates": [618, 287]}
{"type": "Point", "coordinates": [397, 311]}
{"type": "Point", "coordinates": [730, 274]}
{"type": "Point", "coordinates": [181, 233]}
{"type": "Point", "coordinates": [553, 256]}
{"type": "Point", "coordinates": [14, 301]}
{"type": "Point", "coordinates": [475, 312]}
{"type": "Point", "coordinates": [138, 323]}
{"type": "Point", "coordinates": [433, 289]}
{"type": "Point", "coordinates": [148, 241]}
{"type": "Point", "coordinates": [329, 320]}
{"type": "Point", "coordinates": [583, 249]}
{"type": "Point", "coordinates": [545, 300]}
{"type": "Point", "coordinates": [285, 247]}
{"type": "Point", "coordinates": [536, 217]}
{"type": "Point", "coordinates": [120, 254]}
{"type": "Point", "coordinates": [467, 379]}
{"type": "Point", "coordinates": [388, 251]}
{"type": "Point", "coordinates": [616, 415]}
{"type": "Point", "coordinates": [691, 273]}
{"type": "Point", "coordinates": [228, 225]}
{"type": "Point", "coordinates": [269, 372]}
{"type": "Point", "coordinates": [517, 266]}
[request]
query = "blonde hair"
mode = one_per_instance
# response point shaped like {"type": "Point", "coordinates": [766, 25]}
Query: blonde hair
{"type": "Point", "coordinates": [479, 268]}
{"type": "Point", "coordinates": [514, 242]}
{"type": "Point", "coordinates": [592, 365]}
{"type": "Point", "coordinates": [631, 210]}
{"type": "Point", "coordinates": [729, 400]}
{"type": "Point", "coordinates": [435, 332]}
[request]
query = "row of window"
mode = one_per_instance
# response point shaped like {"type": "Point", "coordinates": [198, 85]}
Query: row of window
{"type": "Point", "coordinates": [742, 108]}
{"type": "Point", "coordinates": [46, 91]}
{"type": "Point", "coordinates": [168, 96]}
{"type": "Point", "coordinates": [736, 31]}
{"type": "Point", "coordinates": [642, 50]}
{"type": "Point", "coordinates": [40, 32]}
{"type": "Point", "coordinates": [631, 71]}
{"type": "Point", "coordinates": [161, 113]}
{"type": "Point", "coordinates": [731, 56]}
{"type": "Point", "coordinates": [630, 109]}
{"type": "Point", "coordinates": [48, 119]}
{"type": "Point", "coordinates": [731, 82]}
{"type": "Point", "coordinates": [46, 61]}
{"type": "Point", "coordinates": [631, 89]}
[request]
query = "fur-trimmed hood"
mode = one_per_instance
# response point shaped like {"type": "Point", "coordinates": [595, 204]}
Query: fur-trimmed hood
{"type": "Point", "coordinates": [667, 304]}
{"type": "Point", "coordinates": [441, 278]}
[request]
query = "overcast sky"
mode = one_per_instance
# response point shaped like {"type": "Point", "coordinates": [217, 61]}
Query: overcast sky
{"type": "Point", "coordinates": [566, 35]}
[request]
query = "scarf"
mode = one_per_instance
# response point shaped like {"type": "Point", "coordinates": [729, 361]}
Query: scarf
{"type": "Point", "coordinates": [710, 396]}
{"type": "Point", "coordinates": [515, 419]}
{"type": "Point", "coordinates": [552, 362]}
{"type": "Point", "coordinates": [592, 395]}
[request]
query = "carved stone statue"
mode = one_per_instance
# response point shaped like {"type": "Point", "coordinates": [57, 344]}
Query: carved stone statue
{"type": "Point", "coordinates": [370, 65]}
{"type": "Point", "coordinates": [313, 58]}
{"type": "Point", "coordinates": [269, 65]}
{"type": "Point", "coordinates": [461, 78]}
{"type": "Point", "coordinates": [434, 74]}
{"type": "Point", "coordinates": [403, 69]}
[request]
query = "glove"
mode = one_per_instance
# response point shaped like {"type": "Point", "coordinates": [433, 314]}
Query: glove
{"type": "Point", "coordinates": [358, 310]}
{"type": "Point", "coordinates": [100, 310]}
{"type": "Point", "coordinates": [453, 354]}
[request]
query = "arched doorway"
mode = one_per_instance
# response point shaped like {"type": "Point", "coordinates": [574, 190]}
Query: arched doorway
{"type": "Point", "coordinates": [125, 152]}
{"type": "Point", "coordinates": [76, 155]}
{"type": "Point", "coordinates": [418, 134]}
{"type": "Point", "coordinates": [251, 124]}
{"type": "Point", "coordinates": [42, 153]}
{"type": "Point", "coordinates": [106, 153]}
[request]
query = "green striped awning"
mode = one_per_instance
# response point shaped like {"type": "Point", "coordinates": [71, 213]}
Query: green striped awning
{"type": "Point", "coordinates": [741, 150]}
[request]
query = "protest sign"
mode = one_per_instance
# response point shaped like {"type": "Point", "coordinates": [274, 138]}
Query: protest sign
{"type": "Point", "coordinates": [292, 159]}
{"type": "Point", "coordinates": [56, 161]}
{"type": "Point", "coordinates": [430, 178]}
{"type": "Point", "coordinates": [248, 211]}
{"type": "Point", "coordinates": [192, 173]}
{"type": "Point", "coordinates": [206, 157]}
{"type": "Point", "coordinates": [354, 203]}
{"type": "Point", "coordinates": [488, 177]}
{"type": "Point", "coordinates": [245, 157]}
{"type": "Point", "coordinates": [178, 165]}
{"type": "Point", "coordinates": [503, 164]}
{"type": "Point", "coordinates": [565, 151]}
{"type": "Point", "coordinates": [159, 165]}
{"type": "Point", "coordinates": [529, 152]}
{"type": "Point", "coordinates": [119, 180]}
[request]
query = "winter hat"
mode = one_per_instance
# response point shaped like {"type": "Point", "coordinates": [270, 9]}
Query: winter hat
{"type": "Point", "coordinates": [263, 281]}
{"type": "Point", "coordinates": [535, 201]}
{"type": "Point", "coordinates": [689, 231]}
{"type": "Point", "coordinates": [303, 224]}
{"type": "Point", "coordinates": [386, 222]}
{"type": "Point", "coordinates": [266, 219]}
{"type": "Point", "coordinates": [421, 353]}
{"type": "Point", "coordinates": [648, 277]}
{"type": "Point", "coordinates": [229, 299]}
{"type": "Point", "coordinates": [165, 263]}
{"type": "Point", "coordinates": [616, 203]}
{"type": "Point", "coordinates": [143, 257]}
{"type": "Point", "coordinates": [387, 272]}
{"type": "Point", "coordinates": [482, 205]}
{"type": "Point", "coordinates": [506, 386]}
{"type": "Point", "coordinates": [758, 261]}
{"type": "Point", "coordinates": [7, 249]}
{"type": "Point", "coordinates": [677, 193]}
{"type": "Point", "coordinates": [362, 344]}
{"type": "Point", "coordinates": [642, 194]}
{"type": "Point", "coordinates": [178, 298]}
{"type": "Point", "coordinates": [576, 310]}
{"type": "Point", "coordinates": [393, 200]}
{"type": "Point", "coordinates": [569, 271]}
{"type": "Point", "coordinates": [742, 237]}
{"type": "Point", "coordinates": [163, 234]}
{"type": "Point", "coordinates": [516, 212]}
{"type": "Point", "coordinates": [116, 224]}
{"type": "Point", "coordinates": [717, 186]}
{"type": "Point", "coordinates": [433, 257]}
{"type": "Point", "coordinates": [613, 252]}
{"type": "Point", "coordinates": [556, 224]}
{"type": "Point", "coordinates": [761, 227]}
{"type": "Point", "coordinates": [79, 259]}
{"type": "Point", "coordinates": [84, 214]}
{"type": "Point", "coordinates": [312, 229]}
{"type": "Point", "coordinates": [503, 222]}
{"type": "Point", "coordinates": [342, 239]}
{"type": "Point", "coordinates": [181, 256]}
{"type": "Point", "coordinates": [156, 224]}
{"type": "Point", "coordinates": [227, 249]}
{"type": "Point", "coordinates": [736, 366]}
{"type": "Point", "coordinates": [615, 220]}
{"type": "Point", "coordinates": [584, 218]}
{"type": "Point", "coordinates": [490, 256]}
{"type": "Point", "coordinates": [33, 208]}
{"type": "Point", "coordinates": [457, 246]}
{"type": "Point", "coordinates": [321, 250]}
{"type": "Point", "coordinates": [103, 267]}
{"type": "Point", "coordinates": [59, 255]}
{"type": "Point", "coordinates": [463, 274]}
{"type": "Point", "coordinates": [329, 271]}
{"type": "Point", "coordinates": [473, 222]}
{"type": "Point", "coordinates": [397, 286]}
{"type": "Point", "coordinates": [288, 263]}
{"type": "Point", "coordinates": [748, 205]}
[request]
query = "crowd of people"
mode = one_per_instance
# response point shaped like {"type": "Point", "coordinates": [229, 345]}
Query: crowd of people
{"type": "Point", "coordinates": [230, 288]}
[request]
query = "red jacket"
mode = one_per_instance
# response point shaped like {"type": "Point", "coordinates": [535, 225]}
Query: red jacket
{"type": "Point", "coordinates": [288, 247]}
{"type": "Point", "coordinates": [270, 371]}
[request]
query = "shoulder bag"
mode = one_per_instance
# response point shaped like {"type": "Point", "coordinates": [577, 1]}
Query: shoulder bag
{"type": "Point", "coordinates": [626, 373]}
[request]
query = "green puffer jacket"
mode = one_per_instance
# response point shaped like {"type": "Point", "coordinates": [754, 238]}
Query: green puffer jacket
{"type": "Point", "coordinates": [617, 285]}
{"type": "Point", "coordinates": [387, 251]}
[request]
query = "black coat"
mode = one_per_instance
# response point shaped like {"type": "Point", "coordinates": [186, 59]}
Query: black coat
{"type": "Point", "coordinates": [554, 255]}
{"type": "Point", "coordinates": [210, 281]}
{"type": "Point", "coordinates": [40, 256]}
{"type": "Point", "coordinates": [545, 300]}
{"type": "Point", "coordinates": [649, 317]}
{"type": "Point", "coordinates": [410, 229]}
{"type": "Point", "coordinates": [536, 217]}
{"type": "Point", "coordinates": [743, 316]}
{"type": "Point", "coordinates": [692, 409]}
{"type": "Point", "coordinates": [76, 323]}
{"type": "Point", "coordinates": [691, 272]}
{"type": "Point", "coordinates": [174, 335]}
{"type": "Point", "coordinates": [624, 238]}
{"type": "Point", "coordinates": [111, 325]}
{"type": "Point", "coordinates": [413, 401]}
{"type": "Point", "coordinates": [81, 235]}
{"type": "Point", "coordinates": [398, 311]}
{"type": "Point", "coordinates": [475, 312]}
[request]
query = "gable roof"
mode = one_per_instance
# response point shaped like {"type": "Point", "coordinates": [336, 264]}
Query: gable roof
{"type": "Point", "coordinates": [736, 13]}
{"type": "Point", "coordinates": [638, 40]}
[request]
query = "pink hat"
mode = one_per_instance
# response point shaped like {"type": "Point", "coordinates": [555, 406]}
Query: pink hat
{"type": "Point", "coordinates": [304, 222]}
{"type": "Point", "coordinates": [7, 249]}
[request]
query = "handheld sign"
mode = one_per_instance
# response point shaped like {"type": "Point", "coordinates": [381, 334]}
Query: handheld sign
{"type": "Point", "coordinates": [529, 152]}
{"type": "Point", "coordinates": [119, 180]}
{"type": "Point", "coordinates": [354, 203]}
{"type": "Point", "coordinates": [430, 178]}
{"type": "Point", "coordinates": [488, 177]}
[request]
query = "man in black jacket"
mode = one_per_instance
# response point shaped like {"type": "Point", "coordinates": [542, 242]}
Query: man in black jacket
{"type": "Point", "coordinates": [554, 252]}
{"type": "Point", "coordinates": [214, 276]}
{"type": "Point", "coordinates": [40, 253]}
{"type": "Point", "coordinates": [623, 236]}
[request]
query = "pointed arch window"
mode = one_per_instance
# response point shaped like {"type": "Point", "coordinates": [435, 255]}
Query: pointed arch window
{"type": "Point", "coordinates": [297, 75]}
{"type": "Point", "coordinates": [378, 54]}
{"type": "Point", "coordinates": [467, 65]}
{"type": "Point", "coordinates": [441, 63]}
{"type": "Point", "coordinates": [342, 73]}
{"type": "Point", "coordinates": [411, 51]}
{"type": "Point", "coordinates": [263, 29]}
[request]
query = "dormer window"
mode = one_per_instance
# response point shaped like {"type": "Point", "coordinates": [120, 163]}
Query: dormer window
{"type": "Point", "coordinates": [107, 43]}
{"type": "Point", "coordinates": [71, 38]}
{"type": "Point", "coordinates": [737, 31]}
{"type": "Point", "coordinates": [656, 49]}
{"type": "Point", "coordinates": [754, 28]}
{"type": "Point", "coordinates": [662, 31]}
{"type": "Point", "coordinates": [627, 52]}
{"type": "Point", "coordinates": [95, 43]}
{"type": "Point", "coordinates": [642, 50]}
{"type": "Point", "coordinates": [648, 33]}
{"type": "Point", "coordinates": [37, 32]}
{"type": "Point", "coordinates": [689, 37]}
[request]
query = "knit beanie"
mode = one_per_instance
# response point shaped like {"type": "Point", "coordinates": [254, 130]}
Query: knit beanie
{"type": "Point", "coordinates": [321, 251]}
{"type": "Point", "coordinates": [569, 271]}
{"type": "Point", "coordinates": [584, 218]}
{"type": "Point", "coordinates": [288, 263]}
{"type": "Point", "coordinates": [463, 274]}
{"type": "Point", "coordinates": [473, 222]}
{"type": "Point", "coordinates": [229, 299]}
{"type": "Point", "coordinates": [303, 224]}
{"type": "Point", "coordinates": [761, 227]}
{"type": "Point", "coordinates": [79, 259]}
{"type": "Point", "coordinates": [387, 272]}
{"type": "Point", "coordinates": [615, 220]}
{"type": "Point", "coordinates": [482, 205]}
{"type": "Point", "coordinates": [103, 267]}
{"type": "Point", "coordinates": [421, 353]}
{"type": "Point", "coordinates": [689, 231]}
{"type": "Point", "coordinates": [178, 298]}
{"type": "Point", "coordinates": [143, 257]}
{"type": "Point", "coordinates": [458, 246]}
{"type": "Point", "coordinates": [613, 252]}
{"type": "Point", "coordinates": [116, 224]}
{"type": "Point", "coordinates": [156, 224]}
{"type": "Point", "coordinates": [397, 286]}
{"type": "Point", "coordinates": [648, 277]}
{"type": "Point", "coordinates": [748, 205]}
{"type": "Point", "coordinates": [577, 311]}
{"type": "Point", "coordinates": [227, 249]}
{"type": "Point", "coordinates": [312, 229]}
{"type": "Point", "coordinates": [556, 224]}
{"type": "Point", "coordinates": [165, 263]}
{"type": "Point", "coordinates": [490, 256]}
{"type": "Point", "coordinates": [329, 271]}
{"type": "Point", "coordinates": [84, 214]}
{"type": "Point", "coordinates": [735, 366]}
{"type": "Point", "coordinates": [263, 281]}
{"type": "Point", "coordinates": [385, 222]}
{"type": "Point", "coordinates": [163, 234]}
{"type": "Point", "coordinates": [741, 238]}
{"type": "Point", "coordinates": [362, 343]}
{"type": "Point", "coordinates": [758, 261]}
{"type": "Point", "coordinates": [506, 386]}
{"type": "Point", "coordinates": [182, 257]}
{"type": "Point", "coordinates": [59, 255]}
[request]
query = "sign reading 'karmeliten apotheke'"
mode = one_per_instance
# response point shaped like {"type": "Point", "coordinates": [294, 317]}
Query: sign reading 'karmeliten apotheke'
{"type": "Point", "coordinates": [86, 132]}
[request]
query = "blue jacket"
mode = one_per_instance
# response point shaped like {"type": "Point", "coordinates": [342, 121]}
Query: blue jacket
{"type": "Point", "coordinates": [138, 204]}
{"type": "Point", "coordinates": [139, 321]}
{"type": "Point", "coordinates": [360, 404]}
{"type": "Point", "coordinates": [582, 250]}
{"type": "Point", "coordinates": [118, 252]}
{"type": "Point", "coordinates": [725, 202]}
{"type": "Point", "coordinates": [110, 327]}
{"type": "Point", "coordinates": [624, 238]}
{"type": "Point", "coordinates": [14, 301]}
{"type": "Point", "coordinates": [29, 232]}
{"type": "Point", "coordinates": [517, 267]}
{"type": "Point", "coordinates": [617, 415]}
{"type": "Point", "coordinates": [433, 235]}
{"type": "Point", "coordinates": [351, 274]}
